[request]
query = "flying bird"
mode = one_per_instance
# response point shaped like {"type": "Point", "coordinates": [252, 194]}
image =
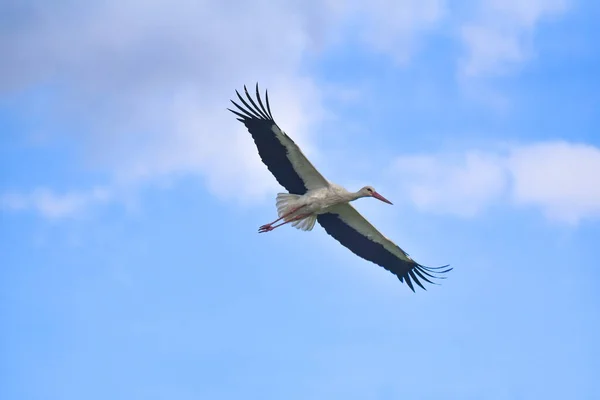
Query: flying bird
{"type": "Point", "coordinates": [311, 198]}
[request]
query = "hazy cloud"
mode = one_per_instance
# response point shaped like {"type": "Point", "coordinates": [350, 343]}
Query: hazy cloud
{"type": "Point", "coordinates": [54, 205]}
{"type": "Point", "coordinates": [557, 177]}
{"type": "Point", "coordinates": [392, 26]}
{"type": "Point", "coordinates": [458, 184]}
{"type": "Point", "coordinates": [498, 38]}
{"type": "Point", "coordinates": [142, 86]}
{"type": "Point", "coordinates": [560, 177]}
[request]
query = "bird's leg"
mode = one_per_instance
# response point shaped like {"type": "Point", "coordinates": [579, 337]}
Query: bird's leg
{"type": "Point", "coordinates": [270, 227]}
{"type": "Point", "coordinates": [265, 227]}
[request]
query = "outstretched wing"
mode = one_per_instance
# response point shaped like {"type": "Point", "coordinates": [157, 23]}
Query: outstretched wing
{"type": "Point", "coordinates": [353, 231]}
{"type": "Point", "coordinates": [277, 150]}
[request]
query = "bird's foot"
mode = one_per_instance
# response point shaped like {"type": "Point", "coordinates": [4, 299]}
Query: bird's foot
{"type": "Point", "coordinates": [265, 228]}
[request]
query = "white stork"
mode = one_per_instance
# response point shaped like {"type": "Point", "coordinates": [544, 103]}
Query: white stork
{"type": "Point", "coordinates": [313, 198]}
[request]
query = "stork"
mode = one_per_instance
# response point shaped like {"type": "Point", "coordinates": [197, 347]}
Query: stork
{"type": "Point", "coordinates": [313, 198]}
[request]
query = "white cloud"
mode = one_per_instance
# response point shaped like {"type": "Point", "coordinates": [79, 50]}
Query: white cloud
{"type": "Point", "coordinates": [52, 205]}
{"type": "Point", "coordinates": [558, 177]}
{"type": "Point", "coordinates": [455, 184]}
{"type": "Point", "coordinates": [142, 86]}
{"type": "Point", "coordinates": [498, 40]}
{"type": "Point", "coordinates": [392, 25]}
{"type": "Point", "coordinates": [149, 82]}
{"type": "Point", "coordinates": [561, 178]}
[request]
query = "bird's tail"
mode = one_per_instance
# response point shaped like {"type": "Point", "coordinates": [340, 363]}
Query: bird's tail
{"type": "Point", "coordinates": [305, 224]}
{"type": "Point", "coordinates": [285, 202]}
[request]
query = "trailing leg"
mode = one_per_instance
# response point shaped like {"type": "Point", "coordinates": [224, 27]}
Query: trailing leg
{"type": "Point", "coordinates": [269, 227]}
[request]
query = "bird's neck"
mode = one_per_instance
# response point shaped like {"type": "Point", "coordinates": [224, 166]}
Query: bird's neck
{"type": "Point", "coordinates": [354, 196]}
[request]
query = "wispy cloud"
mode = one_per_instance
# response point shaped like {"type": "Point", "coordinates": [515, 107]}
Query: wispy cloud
{"type": "Point", "coordinates": [499, 38]}
{"type": "Point", "coordinates": [558, 177]}
{"type": "Point", "coordinates": [148, 82]}
{"type": "Point", "coordinates": [458, 184]}
{"type": "Point", "coordinates": [394, 27]}
{"type": "Point", "coordinates": [55, 205]}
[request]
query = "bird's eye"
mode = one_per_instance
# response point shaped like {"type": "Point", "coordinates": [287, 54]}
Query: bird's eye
{"type": "Point", "coordinates": [369, 190]}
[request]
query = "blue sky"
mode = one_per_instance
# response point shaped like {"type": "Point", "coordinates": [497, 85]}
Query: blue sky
{"type": "Point", "coordinates": [130, 200]}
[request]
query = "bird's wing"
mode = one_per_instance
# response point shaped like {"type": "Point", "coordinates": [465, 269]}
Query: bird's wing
{"type": "Point", "coordinates": [353, 231]}
{"type": "Point", "coordinates": [276, 149]}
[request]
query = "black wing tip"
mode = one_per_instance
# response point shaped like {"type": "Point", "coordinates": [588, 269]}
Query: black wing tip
{"type": "Point", "coordinates": [250, 108]}
{"type": "Point", "coordinates": [418, 272]}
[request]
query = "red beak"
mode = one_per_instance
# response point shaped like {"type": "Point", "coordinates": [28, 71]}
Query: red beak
{"type": "Point", "coordinates": [380, 197]}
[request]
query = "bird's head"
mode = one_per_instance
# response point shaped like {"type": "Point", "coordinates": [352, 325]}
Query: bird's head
{"type": "Point", "coordinates": [369, 191]}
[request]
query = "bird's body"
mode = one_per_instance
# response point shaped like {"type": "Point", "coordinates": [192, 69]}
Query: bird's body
{"type": "Point", "coordinates": [320, 201]}
{"type": "Point", "coordinates": [302, 210]}
{"type": "Point", "coordinates": [313, 198]}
